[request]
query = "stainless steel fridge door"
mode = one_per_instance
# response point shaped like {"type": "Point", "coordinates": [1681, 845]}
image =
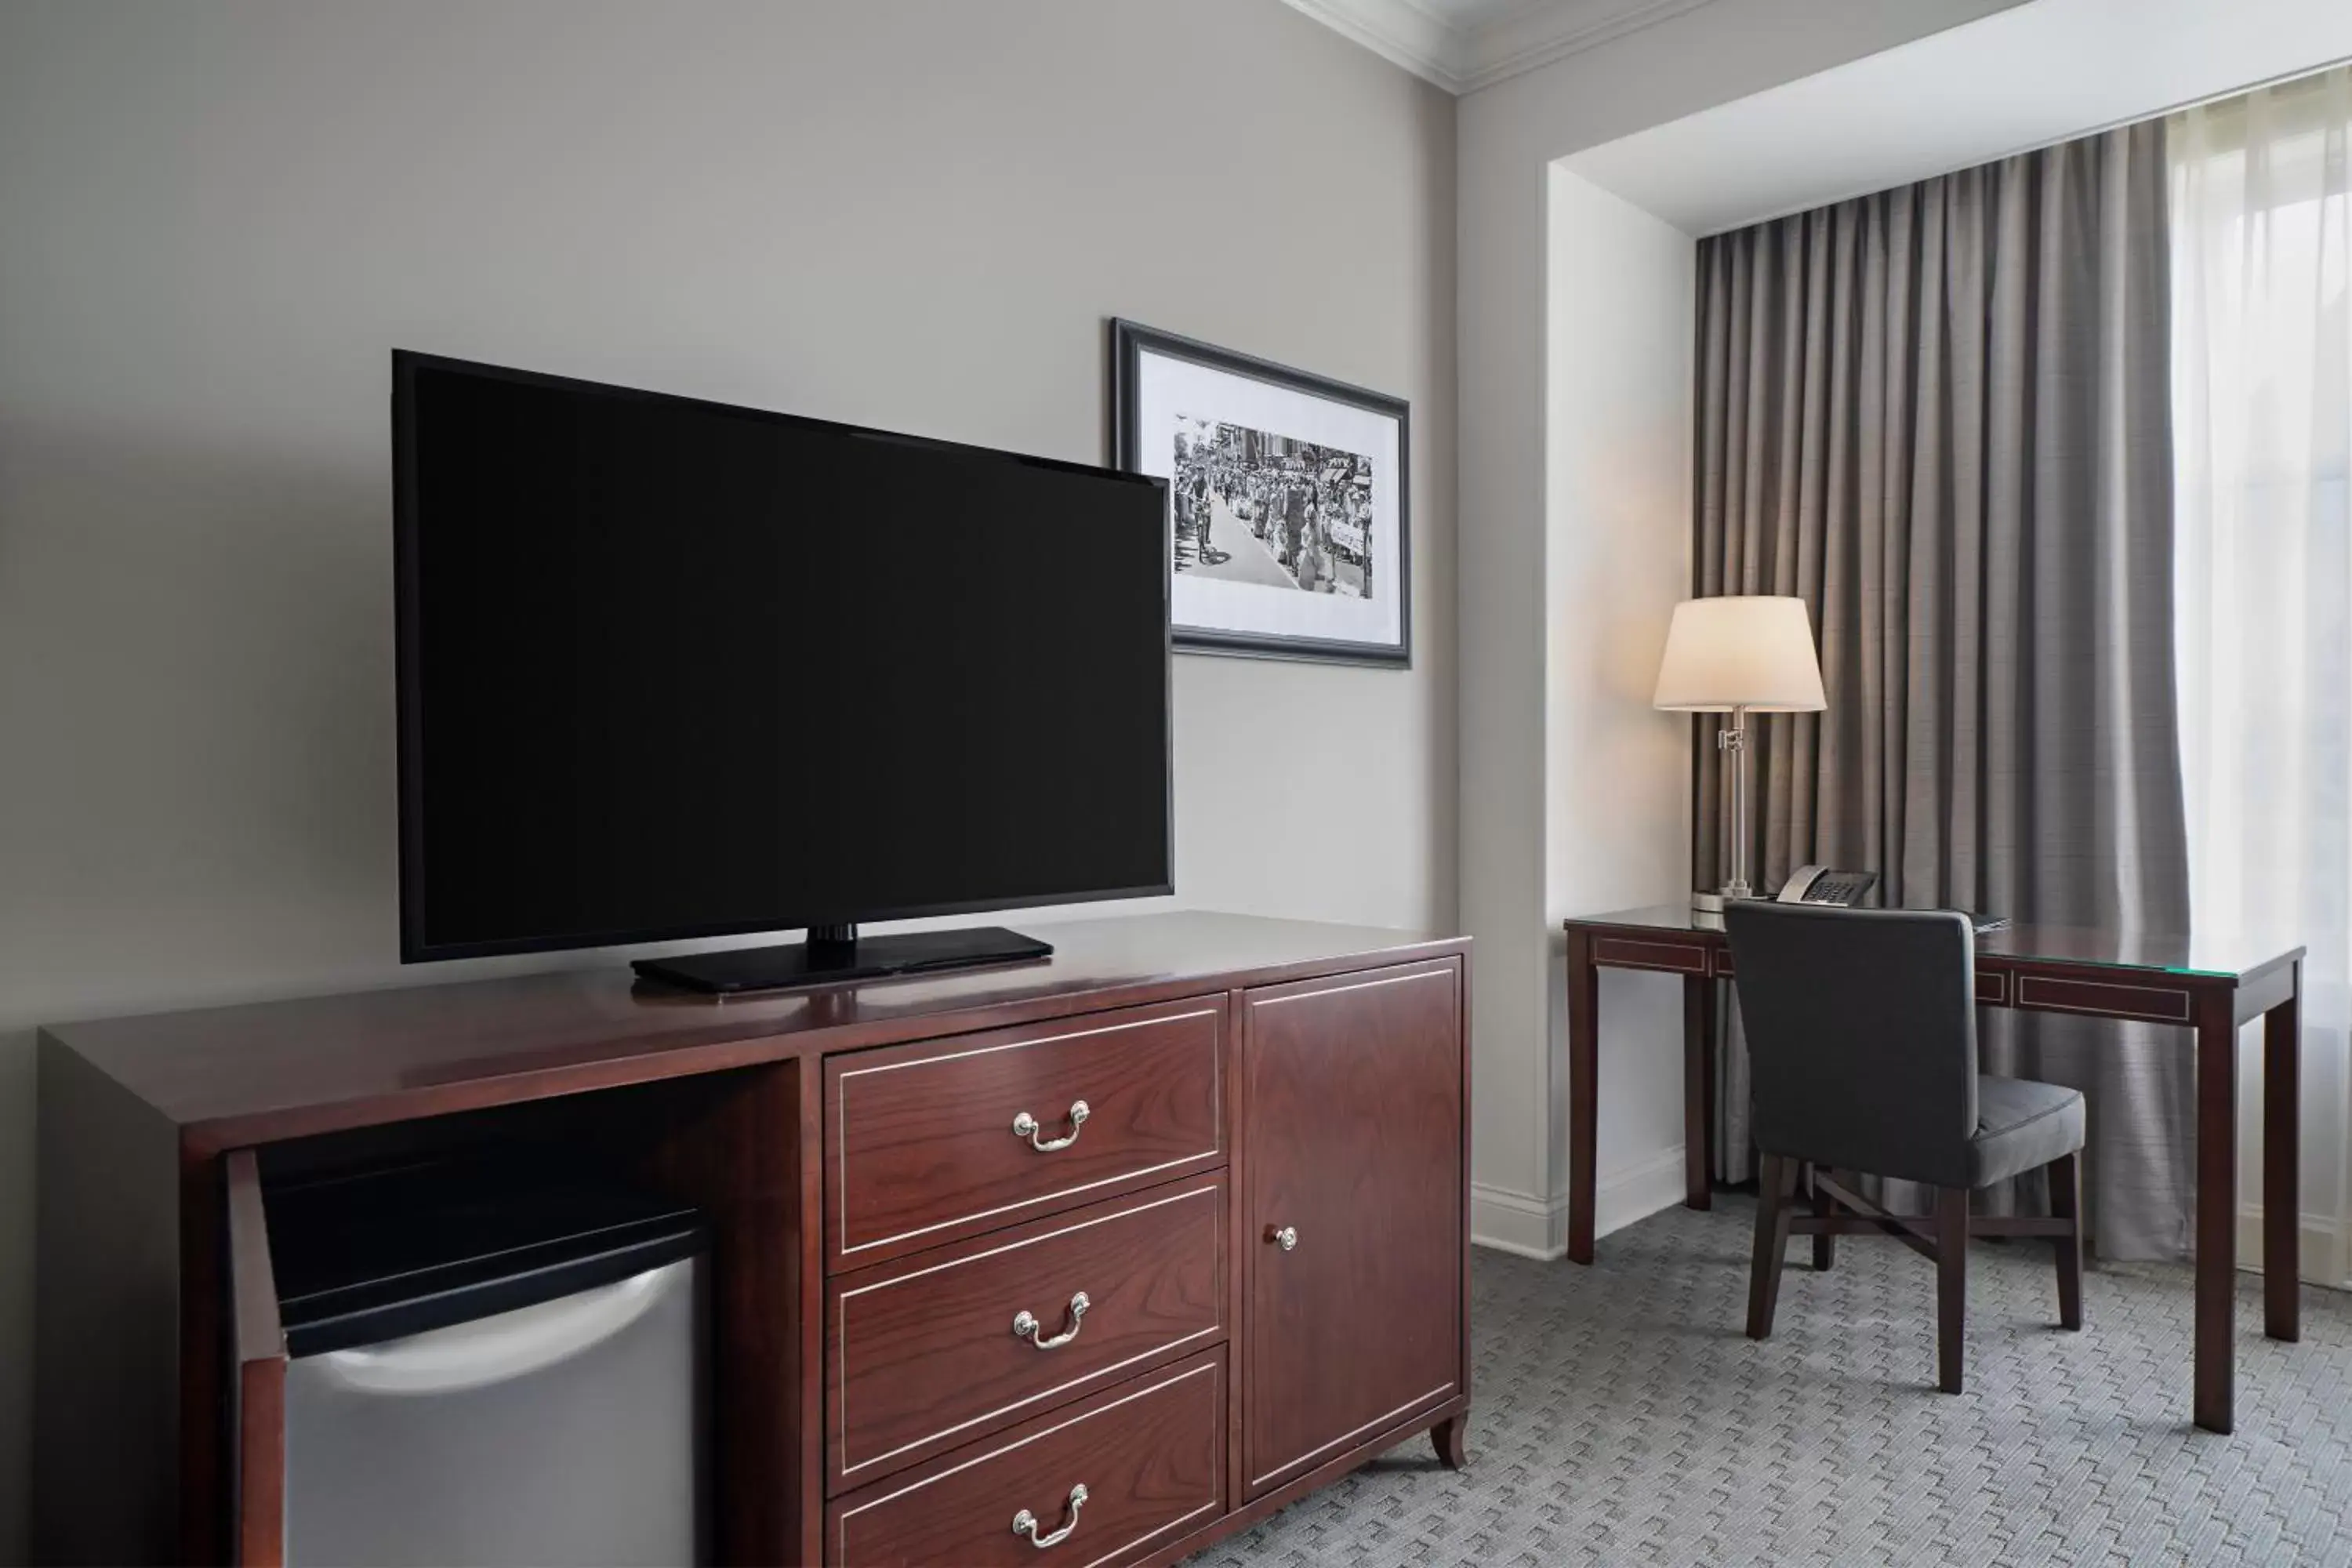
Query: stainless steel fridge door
{"type": "Point", "coordinates": [571, 1431]}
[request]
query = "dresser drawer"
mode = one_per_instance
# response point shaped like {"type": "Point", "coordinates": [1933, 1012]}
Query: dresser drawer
{"type": "Point", "coordinates": [928, 1351]}
{"type": "Point", "coordinates": [947, 1137]}
{"type": "Point", "coordinates": [1149, 1453]}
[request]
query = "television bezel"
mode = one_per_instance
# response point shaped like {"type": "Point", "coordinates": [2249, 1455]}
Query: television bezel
{"type": "Point", "coordinates": [415, 949]}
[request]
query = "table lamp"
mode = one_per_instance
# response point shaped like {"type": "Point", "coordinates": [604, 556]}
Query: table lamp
{"type": "Point", "coordinates": [1738, 655]}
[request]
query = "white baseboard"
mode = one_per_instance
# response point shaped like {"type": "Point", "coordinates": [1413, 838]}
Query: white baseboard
{"type": "Point", "coordinates": [1520, 1223]}
{"type": "Point", "coordinates": [2323, 1259]}
{"type": "Point", "coordinates": [1515, 1222]}
{"type": "Point", "coordinates": [1531, 1226]}
{"type": "Point", "coordinates": [1648, 1188]}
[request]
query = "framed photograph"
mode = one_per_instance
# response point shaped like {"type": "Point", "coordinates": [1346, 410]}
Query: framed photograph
{"type": "Point", "coordinates": [1291, 535]}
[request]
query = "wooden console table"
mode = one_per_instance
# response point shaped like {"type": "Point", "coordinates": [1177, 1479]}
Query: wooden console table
{"type": "Point", "coordinates": [1273, 1255]}
{"type": "Point", "coordinates": [2208, 986]}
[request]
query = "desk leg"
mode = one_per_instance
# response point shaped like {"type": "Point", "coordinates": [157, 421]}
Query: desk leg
{"type": "Point", "coordinates": [1698, 1090]}
{"type": "Point", "coordinates": [2217, 1207]}
{"type": "Point", "coordinates": [1583, 1086]}
{"type": "Point", "coordinates": [2282, 1163]}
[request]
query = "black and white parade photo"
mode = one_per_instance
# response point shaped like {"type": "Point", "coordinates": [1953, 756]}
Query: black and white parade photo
{"type": "Point", "coordinates": [1255, 506]}
{"type": "Point", "coordinates": [1288, 492]}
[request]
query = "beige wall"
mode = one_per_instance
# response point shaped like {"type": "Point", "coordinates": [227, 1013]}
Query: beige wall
{"type": "Point", "coordinates": [1621, 309]}
{"type": "Point", "coordinates": [215, 220]}
{"type": "Point", "coordinates": [1535, 763]}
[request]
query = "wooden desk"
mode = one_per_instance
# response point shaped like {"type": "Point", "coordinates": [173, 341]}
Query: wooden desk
{"type": "Point", "coordinates": [2208, 986]}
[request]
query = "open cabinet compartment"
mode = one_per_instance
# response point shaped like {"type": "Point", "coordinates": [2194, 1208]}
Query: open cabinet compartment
{"type": "Point", "coordinates": [733, 1144]}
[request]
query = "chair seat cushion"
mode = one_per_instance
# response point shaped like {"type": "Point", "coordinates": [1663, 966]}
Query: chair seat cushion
{"type": "Point", "coordinates": [2021, 1126]}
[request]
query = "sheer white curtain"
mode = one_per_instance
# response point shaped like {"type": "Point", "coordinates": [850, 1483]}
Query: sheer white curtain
{"type": "Point", "coordinates": [2261, 250]}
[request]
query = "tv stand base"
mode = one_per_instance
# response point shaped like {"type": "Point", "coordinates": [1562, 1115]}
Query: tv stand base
{"type": "Point", "coordinates": [835, 953]}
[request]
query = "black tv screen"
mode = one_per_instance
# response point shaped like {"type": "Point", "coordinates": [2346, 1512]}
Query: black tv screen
{"type": "Point", "coordinates": [673, 669]}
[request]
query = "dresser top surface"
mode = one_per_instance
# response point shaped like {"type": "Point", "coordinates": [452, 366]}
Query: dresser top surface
{"type": "Point", "coordinates": [270, 1069]}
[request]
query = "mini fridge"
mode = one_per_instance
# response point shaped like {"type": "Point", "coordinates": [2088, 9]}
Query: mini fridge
{"type": "Point", "coordinates": [489, 1365]}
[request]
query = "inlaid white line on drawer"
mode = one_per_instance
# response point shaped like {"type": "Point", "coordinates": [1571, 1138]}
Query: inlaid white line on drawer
{"type": "Point", "coordinates": [1125, 1547]}
{"type": "Point", "coordinates": [841, 1348]}
{"type": "Point", "coordinates": [849, 1073]}
{"type": "Point", "coordinates": [841, 1126]}
{"type": "Point", "coordinates": [1017, 1245]}
{"type": "Point", "coordinates": [1029, 1203]}
{"type": "Point", "coordinates": [1357, 986]}
{"type": "Point", "coordinates": [2024, 997]}
{"type": "Point", "coordinates": [1095, 1376]}
{"type": "Point", "coordinates": [1342, 1441]}
{"type": "Point", "coordinates": [1677, 955]}
{"type": "Point", "coordinates": [996, 1453]}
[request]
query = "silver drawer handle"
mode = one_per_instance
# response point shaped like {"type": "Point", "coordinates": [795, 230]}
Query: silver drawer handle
{"type": "Point", "coordinates": [1025, 1126]}
{"type": "Point", "coordinates": [1025, 1523]}
{"type": "Point", "coordinates": [1286, 1239]}
{"type": "Point", "coordinates": [1026, 1326]}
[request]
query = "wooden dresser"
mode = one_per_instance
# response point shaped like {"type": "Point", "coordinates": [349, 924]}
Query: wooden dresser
{"type": "Point", "coordinates": [1102, 1257]}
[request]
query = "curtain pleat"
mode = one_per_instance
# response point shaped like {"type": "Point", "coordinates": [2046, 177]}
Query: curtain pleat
{"type": "Point", "coordinates": [1939, 414]}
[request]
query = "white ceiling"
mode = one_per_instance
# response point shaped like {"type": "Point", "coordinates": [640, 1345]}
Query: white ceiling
{"type": "Point", "coordinates": [2014, 81]}
{"type": "Point", "coordinates": [1465, 45]}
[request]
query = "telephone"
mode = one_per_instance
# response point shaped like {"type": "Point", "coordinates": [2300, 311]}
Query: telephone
{"type": "Point", "coordinates": [1824, 885]}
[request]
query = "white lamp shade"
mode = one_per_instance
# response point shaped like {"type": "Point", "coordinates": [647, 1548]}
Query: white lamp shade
{"type": "Point", "coordinates": [1745, 651]}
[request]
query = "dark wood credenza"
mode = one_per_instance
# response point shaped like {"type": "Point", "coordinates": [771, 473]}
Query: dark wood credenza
{"type": "Point", "coordinates": [1266, 1204]}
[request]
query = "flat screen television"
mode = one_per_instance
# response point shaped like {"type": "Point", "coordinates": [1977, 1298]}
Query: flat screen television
{"type": "Point", "coordinates": [672, 668]}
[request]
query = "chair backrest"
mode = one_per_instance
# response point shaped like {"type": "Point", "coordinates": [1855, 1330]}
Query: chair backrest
{"type": "Point", "coordinates": [1861, 1035]}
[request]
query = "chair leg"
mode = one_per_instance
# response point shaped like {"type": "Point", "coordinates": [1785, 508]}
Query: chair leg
{"type": "Point", "coordinates": [1824, 1247]}
{"type": "Point", "coordinates": [2066, 1202]}
{"type": "Point", "coordinates": [1951, 1286]}
{"type": "Point", "coordinates": [1776, 1187]}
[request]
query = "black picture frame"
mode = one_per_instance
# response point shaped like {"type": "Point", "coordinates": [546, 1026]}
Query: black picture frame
{"type": "Point", "coordinates": [1130, 342]}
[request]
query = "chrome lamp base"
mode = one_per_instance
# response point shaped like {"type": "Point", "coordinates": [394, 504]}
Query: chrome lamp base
{"type": "Point", "coordinates": [1712, 903]}
{"type": "Point", "coordinates": [1733, 743]}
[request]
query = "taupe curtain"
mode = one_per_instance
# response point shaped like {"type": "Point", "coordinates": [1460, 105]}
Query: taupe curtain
{"type": "Point", "coordinates": [1941, 416]}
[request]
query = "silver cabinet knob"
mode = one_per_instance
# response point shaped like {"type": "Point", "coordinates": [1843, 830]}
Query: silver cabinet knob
{"type": "Point", "coordinates": [1026, 1326]}
{"type": "Point", "coordinates": [1025, 1523]}
{"type": "Point", "coordinates": [1286, 1239]}
{"type": "Point", "coordinates": [1026, 1126]}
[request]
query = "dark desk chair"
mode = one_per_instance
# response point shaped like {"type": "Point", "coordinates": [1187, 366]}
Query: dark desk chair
{"type": "Point", "coordinates": [1862, 1040]}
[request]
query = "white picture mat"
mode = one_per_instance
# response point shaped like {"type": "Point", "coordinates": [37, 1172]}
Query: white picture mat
{"type": "Point", "coordinates": [1168, 388]}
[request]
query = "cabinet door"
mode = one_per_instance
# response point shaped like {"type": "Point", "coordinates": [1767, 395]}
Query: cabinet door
{"type": "Point", "coordinates": [1353, 1113]}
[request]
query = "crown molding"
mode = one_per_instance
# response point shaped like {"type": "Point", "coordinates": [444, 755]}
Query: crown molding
{"type": "Point", "coordinates": [1463, 59]}
{"type": "Point", "coordinates": [1536, 37]}
{"type": "Point", "coordinates": [1400, 32]}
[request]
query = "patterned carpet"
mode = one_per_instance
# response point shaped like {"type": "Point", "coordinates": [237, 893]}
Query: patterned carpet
{"type": "Point", "coordinates": [1622, 1416]}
